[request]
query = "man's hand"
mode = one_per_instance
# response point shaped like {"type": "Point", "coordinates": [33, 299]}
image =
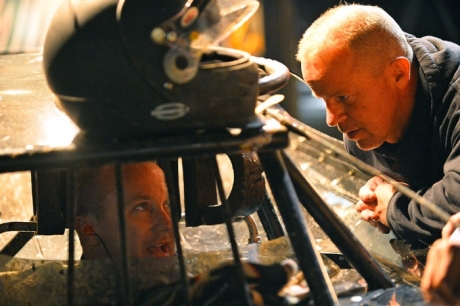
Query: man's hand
{"type": "Point", "coordinates": [440, 280]}
{"type": "Point", "coordinates": [374, 198]}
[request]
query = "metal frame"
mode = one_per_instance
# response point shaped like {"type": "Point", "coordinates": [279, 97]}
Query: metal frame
{"type": "Point", "coordinates": [279, 171]}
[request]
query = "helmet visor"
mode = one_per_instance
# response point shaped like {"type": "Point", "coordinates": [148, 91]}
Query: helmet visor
{"type": "Point", "coordinates": [197, 29]}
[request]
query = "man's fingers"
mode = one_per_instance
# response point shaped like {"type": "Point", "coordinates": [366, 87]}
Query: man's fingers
{"type": "Point", "coordinates": [439, 280]}
{"type": "Point", "coordinates": [451, 225]}
{"type": "Point", "coordinates": [361, 206]}
{"type": "Point", "coordinates": [367, 194]}
{"type": "Point", "coordinates": [372, 218]}
{"type": "Point", "coordinates": [454, 239]}
{"type": "Point", "coordinates": [369, 215]}
{"type": "Point", "coordinates": [442, 295]}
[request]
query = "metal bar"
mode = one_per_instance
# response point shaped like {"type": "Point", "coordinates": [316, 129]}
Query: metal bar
{"type": "Point", "coordinates": [339, 233]}
{"type": "Point", "coordinates": [71, 213]}
{"type": "Point", "coordinates": [26, 226]}
{"type": "Point", "coordinates": [34, 183]}
{"type": "Point", "coordinates": [199, 191]}
{"type": "Point", "coordinates": [96, 153]}
{"type": "Point", "coordinates": [174, 199]}
{"type": "Point", "coordinates": [17, 243]}
{"type": "Point", "coordinates": [299, 233]}
{"type": "Point", "coordinates": [126, 295]}
{"type": "Point", "coordinates": [227, 216]}
{"type": "Point", "coordinates": [252, 229]}
{"type": "Point", "coordinates": [45, 199]}
{"type": "Point", "coordinates": [269, 219]}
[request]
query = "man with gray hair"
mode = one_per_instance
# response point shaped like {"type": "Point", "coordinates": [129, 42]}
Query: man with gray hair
{"type": "Point", "coordinates": [395, 98]}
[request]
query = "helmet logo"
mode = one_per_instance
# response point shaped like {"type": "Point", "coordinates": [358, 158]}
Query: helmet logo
{"type": "Point", "coordinates": [189, 17]}
{"type": "Point", "coordinates": [170, 111]}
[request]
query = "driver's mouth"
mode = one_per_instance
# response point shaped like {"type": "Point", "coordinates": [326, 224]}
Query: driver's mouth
{"type": "Point", "coordinates": [160, 250]}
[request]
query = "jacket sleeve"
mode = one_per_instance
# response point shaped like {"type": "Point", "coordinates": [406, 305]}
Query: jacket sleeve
{"type": "Point", "coordinates": [406, 217]}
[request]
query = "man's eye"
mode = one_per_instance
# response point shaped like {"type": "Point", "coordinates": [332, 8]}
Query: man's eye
{"type": "Point", "coordinates": [167, 206]}
{"type": "Point", "coordinates": [142, 206]}
{"type": "Point", "coordinates": [342, 98]}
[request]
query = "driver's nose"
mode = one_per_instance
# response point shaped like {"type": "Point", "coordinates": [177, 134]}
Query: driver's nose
{"type": "Point", "coordinates": [335, 112]}
{"type": "Point", "coordinates": [163, 221]}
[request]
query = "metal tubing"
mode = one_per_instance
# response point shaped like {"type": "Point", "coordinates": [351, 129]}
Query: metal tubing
{"type": "Point", "coordinates": [269, 219]}
{"type": "Point", "coordinates": [125, 284]}
{"type": "Point", "coordinates": [227, 216]}
{"type": "Point", "coordinates": [174, 199]}
{"type": "Point", "coordinates": [71, 213]}
{"type": "Point", "coordinates": [339, 233]}
{"type": "Point", "coordinates": [252, 229]}
{"type": "Point", "coordinates": [17, 243]}
{"type": "Point", "coordinates": [161, 147]}
{"type": "Point", "coordinates": [299, 234]}
{"type": "Point", "coordinates": [26, 226]}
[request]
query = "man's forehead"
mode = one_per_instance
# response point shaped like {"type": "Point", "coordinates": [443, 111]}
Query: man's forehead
{"type": "Point", "coordinates": [313, 68]}
{"type": "Point", "coordinates": [324, 90]}
{"type": "Point", "coordinates": [328, 74]}
{"type": "Point", "coordinates": [322, 85]}
{"type": "Point", "coordinates": [316, 90]}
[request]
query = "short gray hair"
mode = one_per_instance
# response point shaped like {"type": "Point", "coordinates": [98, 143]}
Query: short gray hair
{"type": "Point", "coordinates": [366, 30]}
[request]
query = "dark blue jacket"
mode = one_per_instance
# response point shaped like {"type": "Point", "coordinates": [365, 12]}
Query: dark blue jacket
{"type": "Point", "coordinates": [428, 156]}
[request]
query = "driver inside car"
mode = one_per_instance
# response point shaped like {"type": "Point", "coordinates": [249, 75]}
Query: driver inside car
{"type": "Point", "coordinates": [150, 246]}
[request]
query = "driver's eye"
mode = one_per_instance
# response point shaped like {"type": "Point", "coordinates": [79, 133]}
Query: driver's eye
{"type": "Point", "coordinates": [142, 206]}
{"type": "Point", "coordinates": [342, 98]}
{"type": "Point", "coordinates": [167, 206]}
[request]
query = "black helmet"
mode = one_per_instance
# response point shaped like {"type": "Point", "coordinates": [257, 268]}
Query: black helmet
{"type": "Point", "coordinates": [133, 68]}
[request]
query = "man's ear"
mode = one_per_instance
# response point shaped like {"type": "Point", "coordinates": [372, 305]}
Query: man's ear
{"type": "Point", "coordinates": [400, 72]}
{"type": "Point", "coordinates": [85, 231]}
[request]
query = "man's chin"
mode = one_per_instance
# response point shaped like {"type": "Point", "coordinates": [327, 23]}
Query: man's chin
{"type": "Point", "coordinates": [367, 144]}
{"type": "Point", "coordinates": [363, 139]}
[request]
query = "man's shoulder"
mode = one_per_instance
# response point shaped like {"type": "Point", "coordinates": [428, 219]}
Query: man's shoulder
{"type": "Point", "coordinates": [439, 59]}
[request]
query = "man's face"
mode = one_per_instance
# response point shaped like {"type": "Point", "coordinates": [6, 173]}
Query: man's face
{"type": "Point", "coordinates": [147, 215]}
{"type": "Point", "coordinates": [362, 104]}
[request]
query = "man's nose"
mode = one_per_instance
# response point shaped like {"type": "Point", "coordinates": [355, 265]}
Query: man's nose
{"type": "Point", "coordinates": [335, 112]}
{"type": "Point", "coordinates": [163, 221]}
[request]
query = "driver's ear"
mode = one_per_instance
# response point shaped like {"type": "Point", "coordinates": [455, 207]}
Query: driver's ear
{"type": "Point", "coordinates": [400, 72]}
{"type": "Point", "coordinates": [85, 231]}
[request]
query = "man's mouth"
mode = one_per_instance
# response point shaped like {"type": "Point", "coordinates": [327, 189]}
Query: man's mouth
{"type": "Point", "coordinates": [160, 250]}
{"type": "Point", "coordinates": [352, 134]}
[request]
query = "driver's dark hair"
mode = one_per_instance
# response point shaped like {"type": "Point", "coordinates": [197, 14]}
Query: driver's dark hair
{"type": "Point", "coordinates": [88, 193]}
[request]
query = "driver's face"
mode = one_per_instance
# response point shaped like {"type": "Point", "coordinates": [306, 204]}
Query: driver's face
{"type": "Point", "coordinates": [362, 103]}
{"type": "Point", "coordinates": [146, 209]}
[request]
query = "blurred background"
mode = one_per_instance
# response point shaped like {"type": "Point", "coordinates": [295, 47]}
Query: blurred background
{"type": "Point", "coordinates": [273, 32]}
